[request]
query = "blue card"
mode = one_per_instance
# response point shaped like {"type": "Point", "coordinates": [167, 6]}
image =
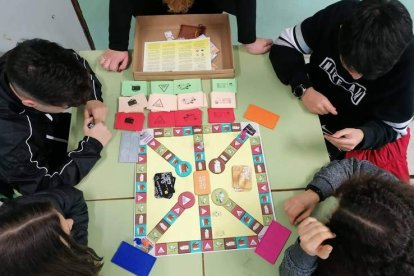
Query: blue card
{"type": "Point", "coordinates": [133, 259]}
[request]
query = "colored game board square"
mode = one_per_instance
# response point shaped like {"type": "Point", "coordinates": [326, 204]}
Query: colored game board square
{"type": "Point", "coordinates": [254, 141]}
{"type": "Point", "coordinates": [256, 149]}
{"type": "Point", "coordinates": [203, 200]}
{"type": "Point", "coordinates": [230, 205]}
{"type": "Point", "coordinates": [131, 88]}
{"type": "Point", "coordinates": [161, 150]}
{"type": "Point", "coordinates": [267, 219]}
{"type": "Point", "coordinates": [247, 219]}
{"type": "Point", "coordinates": [140, 187]}
{"type": "Point", "coordinates": [184, 247]}
{"type": "Point", "coordinates": [263, 187]}
{"type": "Point", "coordinates": [154, 144]}
{"type": "Point", "coordinates": [196, 246]}
{"type": "Point", "coordinates": [242, 137]}
{"type": "Point", "coordinates": [154, 235]}
{"type": "Point", "coordinates": [199, 146]}
{"type": "Point", "coordinates": [230, 150]}
{"type": "Point", "coordinates": [230, 243]}
{"type": "Point", "coordinates": [161, 119]}
{"type": "Point", "coordinates": [140, 230]}
{"type": "Point", "coordinates": [252, 241]}
{"type": "Point", "coordinates": [225, 156]}
{"type": "Point", "coordinates": [141, 177]}
{"type": "Point", "coordinates": [172, 248]}
{"type": "Point", "coordinates": [173, 160]}
{"type": "Point", "coordinates": [207, 245]}
{"type": "Point", "coordinates": [167, 155]}
{"type": "Point", "coordinates": [135, 103]}
{"type": "Point", "coordinates": [140, 219]}
{"type": "Point", "coordinates": [187, 86]}
{"type": "Point", "coordinates": [160, 249]}
{"type": "Point", "coordinates": [224, 85]}
{"type": "Point", "coordinates": [141, 197]}
{"type": "Point", "coordinates": [266, 209]}
{"type": "Point", "coordinates": [218, 244]}
{"type": "Point", "coordinates": [142, 159]}
{"type": "Point", "coordinates": [170, 217]}
{"type": "Point", "coordinates": [162, 226]}
{"type": "Point", "coordinates": [198, 138]}
{"type": "Point", "coordinates": [238, 212]}
{"type": "Point", "coordinates": [142, 150]}
{"type": "Point", "coordinates": [199, 156]}
{"type": "Point", "coordinates": [206, 233]}
{"type": "Point", "coordinates": [141, 168]}
{"type": "Point", "coordinates": [205, 222]}
{"type": "Point", "coordinates": [207, 129]}
{"type": "Point", "coordinates": [191, 117]}
{"type": "Point", "coordinates": [259, 168]}
{"type": "Point", "coordinates": [158, 132]}
{"type": "Point", "coordinates": [187, 131]}
{"type": "Point", "coordinates": [242, 242]}
{"type": "Point", "coordinates": [177, 209]}
{"type": "Point", "coordinates": [236, 127]}
{"type": "Point", "coordinates": [178, 131]}
{"type": "Point", "coordinates": [256, 227]}
{"type": "Point", "coordinates": [261, 177]}
{"type": "Point", "coordinates": [204, 210]}
{"type": "Point", "coordinates": [168, 132]}
{"type": "Point", "coordinates": [226, 127]}
{"type": "Point", "coordinates": [162, 102]}
{"type": "Point", "coordinates": [162, 87]}
{"type": "Point", "coordinates": [129, 121]}
{"type": "Point", "coordinates": [141, 208]}
{"type": "Point", "coordinates": [198, 129]}
{"type": "Point", "coordinates": [221, 115]}
{"type": "Point", "coordinates": [257, 158]}
{"type": "Point", "coordinates": [216, 128]}
{"type": "Point", "coordinates": [201, 166]}
{"type": "Point", "coordinates": [236, 144]}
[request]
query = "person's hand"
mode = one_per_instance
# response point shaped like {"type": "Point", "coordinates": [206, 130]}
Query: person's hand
{"type": "Point", "coordinates": [99, 131]}
{"type": "Point", "coordinates": [114, 60]}
{"type": "Point", "coordinates": [95, 109]}
{"type": "Point", "coordinates": [312, 234]}
{"type": "Point", "coordinates": [300, 207]}
{"type": "Point", "coordinates": [346, 139]}
{"type": "Point", "coordinates": [317, 103]}
{"type": "Point", "coordinates": [260, 46]}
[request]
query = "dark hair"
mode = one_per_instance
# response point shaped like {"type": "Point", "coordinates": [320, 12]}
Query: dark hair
{"type": "Point", "coordinates": [373, 39]}
{"type": "Point", "coordinates": [32, 242]}
{"type": "Point", "coordinates": [374, 227]}
{"type": "Point", "coordinates": [48, 73]}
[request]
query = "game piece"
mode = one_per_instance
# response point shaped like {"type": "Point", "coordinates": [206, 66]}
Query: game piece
{"type": "Point", "coordinates": [161, 119]}
{"type": "Point", "coordinates": [133, 259]}
{"type": "Point", "coordinates": [273, 242]}
{"type": "Point", "coordinates": [201, 183]}
{"type": "Point", "coordinates": [261, 116]}
{"type": "Point", "coordinates": [223, 99]}
{"type": "Point", "coordinates": [162, 87]}
{"type": "Point", "coordinates": [132, 88]}
{"type": "Point", "coordinates": [187, 86]}
{"type": "Point", "coordinates": [224, 85]}
{"type": "Point", "coordinates": [129, 121]}
{"type": "Point", "coordinates": [161, 102]}
{"type": "Point", "coordinates": [190, 100]}
{"type": "Point", "coordinates": [221, 115]}
{"type": "Point", "coordinates": [128, 149]}
{"type": "Point", "coordinates": [242, 178]}
{"type": "Point", "coordinates": [191, 117]}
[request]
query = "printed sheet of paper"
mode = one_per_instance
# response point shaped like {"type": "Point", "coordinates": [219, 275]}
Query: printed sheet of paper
{"type": "Point", "coordinates": [177, 55]}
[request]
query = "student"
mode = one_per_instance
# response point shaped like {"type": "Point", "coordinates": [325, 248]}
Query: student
{"type": "Point", "coordinates": [46, 234]}
{"type": "Point", "coordinates": [121, 11]}
{"type": "Point", "coordinates": [38, 81]}
{"type": "Point", "coordinates": [370, 233]}
{"type": "Point", "coordinates": [359, 79]}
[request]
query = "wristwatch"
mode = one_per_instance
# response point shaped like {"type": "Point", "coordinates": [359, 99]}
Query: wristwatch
{"type": "Point", "coordinates": [300, 90]}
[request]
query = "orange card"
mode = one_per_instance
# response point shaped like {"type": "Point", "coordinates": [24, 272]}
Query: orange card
{"type": "Point", "coordinates": [201, 183]}
{"type": "Point", "coordinates": [261, 116]}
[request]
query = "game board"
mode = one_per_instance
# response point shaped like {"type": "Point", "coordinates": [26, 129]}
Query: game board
{"type": "Point", "coordinates": [208, 211]}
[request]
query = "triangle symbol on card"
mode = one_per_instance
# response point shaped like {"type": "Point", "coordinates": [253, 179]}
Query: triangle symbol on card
{"type": "Point", "coordinates": [158, 103]}
{"type": "Point", "coordinates": [163, 87]}
{"type": "Point", "coordinates": [161, 250]}
{"type": "Point", "coordinates": [160, 120]}
{"type": "Point", "coordinates": [239, 213]}
{"type": "Point", "coordinates": [185, 200]}
{"type": "Point", "coordinates": [177, 211]}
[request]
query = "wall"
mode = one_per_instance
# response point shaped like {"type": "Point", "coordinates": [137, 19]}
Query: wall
{"type": "Point", "coordinates": [272, 16]}
{"type": "Point", "coordinates": [54, 20]}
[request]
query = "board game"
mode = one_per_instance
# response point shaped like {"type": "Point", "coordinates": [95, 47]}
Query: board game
{"type": "Point", "coordinates": [201, 189]}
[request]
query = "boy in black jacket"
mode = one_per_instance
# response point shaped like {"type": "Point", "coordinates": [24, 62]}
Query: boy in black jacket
{"type": "Point", "coordinates": [39, 80]}
{"type": "Point", "coordinates": [359, 79]}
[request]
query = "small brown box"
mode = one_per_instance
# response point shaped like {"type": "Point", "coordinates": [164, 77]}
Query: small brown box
{"type": "Point", "coordinates": [152, 28]}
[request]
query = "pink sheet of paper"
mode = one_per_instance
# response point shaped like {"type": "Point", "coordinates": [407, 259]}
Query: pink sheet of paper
{"type": "Point", "coordinates": [162, 102]}
{"type": "Point", "coordinates": [223, 99]}
{"type": "Point", "coordinates": [221, 115]}
{"type": "Point", "coordinates": [190, 100]}
{"type": "Point", "coordinates": [192, 117]}
{"type": "Point", "coordinates": [135, 103]}
{"type": "Point", "coordinates": [161, 119]}
{"type": "Point", "coordinates": [273, 241]}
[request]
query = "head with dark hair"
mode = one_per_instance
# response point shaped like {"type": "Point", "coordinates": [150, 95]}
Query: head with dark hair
{"type": "Point", "coordinates": [47, 73]}
{"type": "Point", "coordinates": [374, 227]}
{"type": "Point", "coordinates": [33, 242]}
{"type": "Point", "coordinates": [373, 39]}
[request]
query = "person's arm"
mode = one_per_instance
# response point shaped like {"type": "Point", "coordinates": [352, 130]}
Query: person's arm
{"type": "Point", "coordinates": [296, 262]}
{"type": "Point", "coordinates": [120, 14]}
{"type": "Point", "coordinates": [246, 21]}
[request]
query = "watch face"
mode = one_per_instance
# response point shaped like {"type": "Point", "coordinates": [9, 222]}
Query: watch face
{"type": "Point", "coordinates": [298, 91]}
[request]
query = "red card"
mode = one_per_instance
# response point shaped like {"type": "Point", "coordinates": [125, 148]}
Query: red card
{"type": "Point", "coordinates": [133, 121]}
{"type": "Point", "coordinates": [191, 117]}
{"type": "Point", "coordinates": [273, 242]}
{"type": "Point", "coordinates": [161, 119]}
{"type": "Point", "coordinates": [221, 115]}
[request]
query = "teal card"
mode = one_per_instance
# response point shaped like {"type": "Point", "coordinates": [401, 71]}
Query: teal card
{"type": "Point", "coordinates": [224, 85]}
{"type": "Point", "coordinates": [162, 87]}
{"type": "Point", "coordinates": [131, 88]}
{"type": "Point", "coordinates": [187, 86]}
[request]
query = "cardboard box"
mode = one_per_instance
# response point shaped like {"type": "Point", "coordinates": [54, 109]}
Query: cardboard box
{"type": "Point", "coordinates": [152, 28]}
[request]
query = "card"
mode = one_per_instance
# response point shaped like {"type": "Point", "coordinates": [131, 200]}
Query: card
{"type": "Point", "coordinates": [129, 121]}
{"type": "Point", "coordinates": [224, 85]}
{"type": "Point", "coordinates": [223, 99]}
{"type": "Point", "coordinates": [129, 147]}
{"type": "Point", "coordinates": [131, 88]}
{"type": "Point", "coordinates": [135, 103]}
{"type": "Point", "coordinates": [201, 183]}
{"type": "Point", "coordinates": [160, 102]}
{"type": "Point", "coordinates": [161, 119]}
{"type": "Point", "coordinates": [221, 115]}
{"type": "Point", "coordinates": [189, 31]}
{"type": "Point", "coordinates": [187, 86]}
{"type": "Point", "coordinates": [261, 116]}
{"type": "Point", "coordinates": [162, 87]}
{"type": "Point", "coordinates": [190, 100]}
{"type": "Point", "coordinates": [133, 259]}
{"type": "Point", "coordinates": [192, 117]}
{"type": "Point", "coordinates": [242, 178]}
{"type": "Point", "coordinates": [272, 242]}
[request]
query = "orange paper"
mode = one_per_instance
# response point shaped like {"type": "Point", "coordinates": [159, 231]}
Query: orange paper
{"type": "Point", "coordinates": [201, 183]}
{"type": "Point", "coordinates": [261, 116]}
